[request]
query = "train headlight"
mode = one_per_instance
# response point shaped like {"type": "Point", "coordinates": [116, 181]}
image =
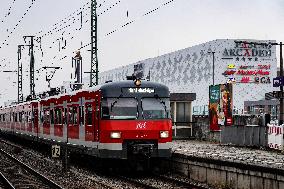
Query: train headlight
{"type": "Point", "coordinates": [164, 134]}
{"type": "Point", "coordinates": [115, 135]}
{"type": "Point", "coordinates": [137, 82]}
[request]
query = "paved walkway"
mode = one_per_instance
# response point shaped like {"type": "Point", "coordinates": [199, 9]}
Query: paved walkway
{"type": "Point", "coordinates": [265, 158]}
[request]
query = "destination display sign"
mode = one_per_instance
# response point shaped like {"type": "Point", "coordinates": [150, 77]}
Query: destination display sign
{"type": "Point", "coordinates": [144, 90]}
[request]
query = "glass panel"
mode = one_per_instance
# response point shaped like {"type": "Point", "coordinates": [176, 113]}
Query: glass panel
{"type": "Point", "coordinates": [187, 111]}
{"type": "Point", "coordinates": [51, 117]}
{"type": "Point", "coordinates": [119, 108]}
{"type": "Point", "coordinates": [156, 108]}
{"type": "Point", "coordinates": [20, 116]}
{"type": "Point", "coordinates": [180, 112]}
{"type": "Point", "coordinates": [58, 116]}
{"type": "Point", "coordinates": [97, 110]}
{"type": "Point", "coordinates": [70, 121]}
{"type": "Point", "coordinates": [75, 115]}
{"type": "Point", "coordinates": [45, 118]}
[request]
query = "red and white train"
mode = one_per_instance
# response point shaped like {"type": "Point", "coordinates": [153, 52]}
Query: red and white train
{"type": "Point", "coordinates": [113, 120]}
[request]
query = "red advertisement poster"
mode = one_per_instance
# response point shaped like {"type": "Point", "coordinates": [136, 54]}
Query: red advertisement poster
{"type": "Point", "coordinates": [220, 106]}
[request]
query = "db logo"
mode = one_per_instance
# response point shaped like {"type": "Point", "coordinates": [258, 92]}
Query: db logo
{"type": "Point", "coordinates": [141, 125]}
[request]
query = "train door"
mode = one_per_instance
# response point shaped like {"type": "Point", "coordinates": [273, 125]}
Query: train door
{"type": "Point", "coordinates": [73, 122]}
{"type": "Point", "coordinates": [89, 121]}
{"type": "Point", "coordinates": [58, 124]}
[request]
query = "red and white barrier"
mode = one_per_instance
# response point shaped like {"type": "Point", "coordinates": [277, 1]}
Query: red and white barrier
{"type": "Point", "coordinates": [275, 136]}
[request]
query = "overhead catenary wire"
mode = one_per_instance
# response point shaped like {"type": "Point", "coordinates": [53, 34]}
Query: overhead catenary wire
{"type": "Point", "coordinates": [73, 19]}
{"type": "Point", "coordinates": [16, 26]}
{"type": "Point", "coordinates": [83, 22]}
{"type": "Point", "coordinates": [130, 22]}
{"type": "Point", "coordinates": [8, 12]}
{"type": "Point", "coordinates": [59, 27]}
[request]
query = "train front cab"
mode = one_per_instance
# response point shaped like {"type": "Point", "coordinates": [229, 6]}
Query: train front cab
{"type": "Point", "coordinates": [135, 121]}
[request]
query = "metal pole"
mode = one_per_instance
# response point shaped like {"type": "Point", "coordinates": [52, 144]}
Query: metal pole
{"type": "Point", "coordinates": [32, 62]}
{"type": "Point", "coordinates": [94, 48]}
{"type": "Point", "coordinates": [213, 67]}
{"type": "Point", "coordinates": [20, 76]}
{"type": "Point", "coordinates": [213, 70]}
{"type": "Point", "coordinates": [281, 87]}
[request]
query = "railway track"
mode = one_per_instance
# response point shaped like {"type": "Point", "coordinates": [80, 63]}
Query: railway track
{"type": "Point", "coordinates": [16, 174]}
{"type": "Point", "coordinates": [100, 181]}
{"type": "Point", "coordinates": [156, 181]}
{"type": "Point", "coordinates": [112, 181]}
{"type": "Point", "coordinates": [5, 183]}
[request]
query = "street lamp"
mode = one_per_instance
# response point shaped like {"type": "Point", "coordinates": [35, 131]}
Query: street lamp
{"type": "Point", "coordinates": [212, 52]}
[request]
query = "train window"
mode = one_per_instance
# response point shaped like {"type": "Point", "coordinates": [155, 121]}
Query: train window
{"type": "Point", "coordinates": [58, 116]}
{"type": "Point", "coordinates": [59, 113]}
{"type": "Point", "coordinates": [20, 117]}
{"type": "Point", "coordinates": [55, 116]}
{"type": "Point", "coordinates": [70, 117]}
{"type": "Point", "coordinates": [75, 115]}
{"type": "Point", "coordinates": [46, 116]}
{"type": "Point", "coordinates": [155, 108]}
{"type": "Point", "coordinates": [4, 117]}
{"type": "Point", "coordinates": [16, 117]}
{"type": "Point", "coordinates": [81, 115]}
{"type": "Point", "coordinates": [23, 117]}
{"type": "Point", "coordinates": [97, 110]}
{"type": "Point", "coordinates": [29, 117]}
{"type": "Point", "coordinates": [51, 117]}
{"type": "Point", "coordinates": [119, 108]}
{"type": "Point", "coordinates": [65, 116]}
{"type": "Point", "coordinates": [89, 115]}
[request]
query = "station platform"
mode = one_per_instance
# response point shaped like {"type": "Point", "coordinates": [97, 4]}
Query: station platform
{"type": "Point", "coordinates": [203, 149]}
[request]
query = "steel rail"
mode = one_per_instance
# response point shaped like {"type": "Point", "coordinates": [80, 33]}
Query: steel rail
{"type": "Point", "coordinates": [6, 182]}
{"type": "Point", "coordinates": [44, 179]}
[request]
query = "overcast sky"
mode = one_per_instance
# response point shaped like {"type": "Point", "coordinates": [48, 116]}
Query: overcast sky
{"type": "Point", "coordinates": [177, 25]}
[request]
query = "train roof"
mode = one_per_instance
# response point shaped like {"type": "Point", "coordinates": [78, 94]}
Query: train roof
{"type": "Point", "coordinates": [130, 83]}
{"type": "Point", "coordinates": [106, 88]}
{"type": "Point", "coordinates": [116, 88]}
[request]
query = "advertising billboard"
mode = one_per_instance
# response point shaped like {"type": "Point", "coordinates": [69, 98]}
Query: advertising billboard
{"type": "Point", "coordinates": [220, 105]}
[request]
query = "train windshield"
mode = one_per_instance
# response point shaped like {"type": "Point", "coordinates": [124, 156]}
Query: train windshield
{"type": "Point", "coordinates": [119, 108]}
{"type": "Point", "coordinates": [156, 108]}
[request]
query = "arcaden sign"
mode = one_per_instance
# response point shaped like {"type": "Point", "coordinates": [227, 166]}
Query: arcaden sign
{"type": "Point", "coordinates": [248, 67]}
{"type": "Point", "coordinates": [248, 50]}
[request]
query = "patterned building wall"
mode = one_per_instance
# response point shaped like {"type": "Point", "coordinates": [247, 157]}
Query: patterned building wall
{"type": "Point", "coordinates": [190, 70]}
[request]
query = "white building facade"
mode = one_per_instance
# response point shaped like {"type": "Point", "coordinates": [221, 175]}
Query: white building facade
{"type": "Point", "coordinates": [251, 67]}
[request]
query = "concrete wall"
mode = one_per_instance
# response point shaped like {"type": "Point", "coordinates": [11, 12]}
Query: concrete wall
{"type": "Point", "coordinates": [222, 174]}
